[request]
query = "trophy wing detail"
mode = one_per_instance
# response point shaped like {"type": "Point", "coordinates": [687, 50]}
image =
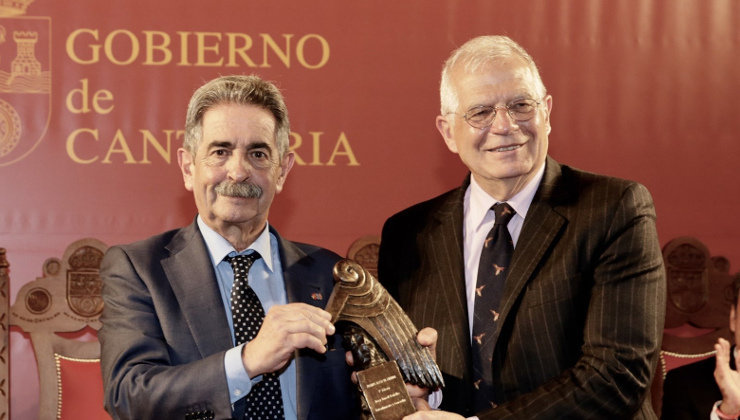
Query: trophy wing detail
{"type": "Point", "coordinates": [359, 298]}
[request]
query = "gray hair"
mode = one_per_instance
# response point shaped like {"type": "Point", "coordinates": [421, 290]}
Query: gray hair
{"type": "Point", "coordinates": [476, 53]}
{"type": "Point", "coordinates": [240, 90]}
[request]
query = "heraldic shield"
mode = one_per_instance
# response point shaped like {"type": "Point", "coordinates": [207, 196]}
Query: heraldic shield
{"type": "Point", "coordinates": [687, 271]}
{"type": "Point", "coordinates": [83, 282]}
{"type": "Point", "coordinates": [25, 82]}
{"type": "Point", "coordinates": [67, 293]}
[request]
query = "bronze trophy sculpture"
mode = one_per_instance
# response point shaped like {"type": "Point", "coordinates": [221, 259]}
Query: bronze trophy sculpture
{"type": "Point", "coordinates": [383, 342]}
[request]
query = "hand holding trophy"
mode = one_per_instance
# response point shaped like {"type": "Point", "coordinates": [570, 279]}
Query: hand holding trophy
{"type": "Point", "coordinates": [383, 342]}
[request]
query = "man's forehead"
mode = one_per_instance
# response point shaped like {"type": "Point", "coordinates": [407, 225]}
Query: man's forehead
{"type": "Point", "coordinates": [483, 89]}
{"type": "Point", "coordinates": [237, 123]}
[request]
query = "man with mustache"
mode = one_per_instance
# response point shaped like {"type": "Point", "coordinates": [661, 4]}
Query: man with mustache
{"type": "Point", "coordinates": [185, 335]}
{"type": "Point", "coordinates": [545, 283]}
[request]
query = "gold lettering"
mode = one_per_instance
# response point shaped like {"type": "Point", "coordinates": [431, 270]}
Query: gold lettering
{"type": "Point", "coordinates": [316, 135]}
{"type": "Point", "coordinates": [82, 94]}
{"type": "Point", "coordinates": [241, 50]}
{"type": "Point", "coordinates": [159, 143]}
{"type": "Point", "coordinates": [119, 139]}
{"type": "Point", "coordinates": [108, 47]}
{"type": "Point", "coordinates": [72, 138]}
{"type": "Point", "coordinates": [301, 56]}
{"type": "Point", "coordinates": [342, 141]}
{"type": "Point", "coordinates": [100, 96]}
{"type": "Point", "coordinates": [297, 142]}
{"type": "Point", "coordinates": [284, 56]}
{"type": "Point", "coordinates": [94, 48]}
{"type": "Point", "coordinates": [183, 49]}
{"type": "Point", "coordinates": [341, 148]}
{"type": "Point", "coordinates": [202, 48]}
{"type": "Point", "coordinates": [162, 47]}
{"type": "Point", "coordinates": [148, 138]}
{"type": "Point", "coordinates": [210, 49]}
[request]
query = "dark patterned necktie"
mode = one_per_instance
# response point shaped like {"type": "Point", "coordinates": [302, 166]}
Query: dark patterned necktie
{"type": "Point", "coordinates": [265, 400]}
{"type": "Point", "coordinates": [492, 271]}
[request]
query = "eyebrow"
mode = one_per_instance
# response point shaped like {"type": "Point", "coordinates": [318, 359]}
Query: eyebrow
{"type": "Point", "coordinates": [226, 144]}
{"type": "Point", "coordinates": [259, 145]}
{"type": "Point", "coordinates": [218, 144]}
{"type": "Point", "coordinates": [521, 97]}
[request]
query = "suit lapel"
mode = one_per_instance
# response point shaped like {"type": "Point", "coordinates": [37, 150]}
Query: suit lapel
{"type": "Point", "coordinates": [301, 285]}
{"type": "Point", "coordinates": [540, 230]}
{"type": "Point", "coordinates": [446, 280]}
{"type": "Point", "coordinates": [190, 273]}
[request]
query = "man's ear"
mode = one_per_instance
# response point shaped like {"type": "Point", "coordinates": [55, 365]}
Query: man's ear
{"type": "Point", "coordinates": [548, 104]}
{"type": "Point", "coordinates": [285, 166]}
{"type": "Point", "coordinates": [185, 161]}
{"type": "Point", "coordinates": [733, 317]}
{"type": "Point", "coordinates": [444, 126]}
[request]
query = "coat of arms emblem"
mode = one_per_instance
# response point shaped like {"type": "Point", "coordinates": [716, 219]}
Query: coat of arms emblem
{"type": "Point", "coordinates": [25, 80]}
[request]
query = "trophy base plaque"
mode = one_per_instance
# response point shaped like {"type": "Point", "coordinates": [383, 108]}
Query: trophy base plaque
{"type": "Point", "coordinates": [385, 392]}
{"type": "Point", "coordinates": [383, 343]}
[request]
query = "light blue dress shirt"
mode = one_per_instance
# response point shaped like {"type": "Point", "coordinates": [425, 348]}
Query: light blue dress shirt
{"type": "Point", "coordinates": [266, 279]}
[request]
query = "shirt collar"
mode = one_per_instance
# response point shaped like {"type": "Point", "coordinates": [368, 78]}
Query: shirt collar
{"type": "Point", "coordinates": [481, 202]}
{"type": "Point", "coordinates": [219, 247]}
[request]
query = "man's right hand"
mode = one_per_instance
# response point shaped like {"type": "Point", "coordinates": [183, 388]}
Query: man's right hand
{"type": "Point", "coordinates": [285, 329]}
{"type": "Point", "coordinates": [727, 379]}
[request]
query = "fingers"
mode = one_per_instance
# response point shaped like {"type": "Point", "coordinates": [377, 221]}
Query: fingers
{"type": "Point", "coordinates": [432, 415]}
{"type": "Point", "coordinates": [286, 328]}
{"type": "Point", "coordinates": [727, 379]}
{"type": "Point", "coordinates": [421, 404]}
{"type": "Point", "coordinates": [297, 318]}
{"type": "Point", "coordinates": [427, 337]}
{"type": "Point", "coordinates": [722, 347]}
{"type": "Point", "coordinates": [416, 391]}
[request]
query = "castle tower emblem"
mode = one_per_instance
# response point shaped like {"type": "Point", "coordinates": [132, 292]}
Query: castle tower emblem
{"type": "Point", "coordinates": [25, 62]}
{"type": "Point", "coordinates": [25, 80]}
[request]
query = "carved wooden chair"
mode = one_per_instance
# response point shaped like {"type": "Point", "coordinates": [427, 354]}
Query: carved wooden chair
{"type": "Point", "coordinates": [699, 295]}
{"type": "Point", "coordinates": [66, 300]}
{"type": "Point", "coordinates": [365, 250]}
{"type": "Point", "coordinates": [4, 303]}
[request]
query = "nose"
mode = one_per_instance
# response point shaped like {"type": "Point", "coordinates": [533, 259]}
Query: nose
{"type": "Point", "coordinates": [237, 167]}
{"type": "Point", "coordinates": [502, 121]}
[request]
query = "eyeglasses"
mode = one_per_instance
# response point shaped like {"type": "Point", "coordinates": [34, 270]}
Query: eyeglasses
{"type": "Point", "coordinates": [482, 116]}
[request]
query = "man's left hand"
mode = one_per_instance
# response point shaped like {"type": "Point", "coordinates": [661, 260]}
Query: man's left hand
{"type": "Point", "coordinates": [434, 415]}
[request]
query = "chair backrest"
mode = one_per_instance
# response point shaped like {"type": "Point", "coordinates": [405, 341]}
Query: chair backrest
{"type": "Point", "coordinates": [66, 299]}
{"type": "Point", "coordinates": [699, 295]}
{"type": "Point", "coordinates": [4, 303]}
{"type": "Point", "coordinates": [364, 250]}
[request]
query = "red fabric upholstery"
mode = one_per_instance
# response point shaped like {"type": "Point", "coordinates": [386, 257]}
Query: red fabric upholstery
{"type": "Point", "coordinates": [80, 387]}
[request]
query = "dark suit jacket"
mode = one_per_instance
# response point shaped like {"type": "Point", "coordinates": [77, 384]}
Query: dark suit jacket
{"type": "Point", "coordinates": [690, 391]}
{"type": "Point", "coordinates": [165, 332]}
{"type": "Point", "coordinates": [583, 306]}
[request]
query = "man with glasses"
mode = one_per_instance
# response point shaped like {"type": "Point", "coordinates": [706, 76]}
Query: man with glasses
{"type": "Point", "coordinates": [545, 283]}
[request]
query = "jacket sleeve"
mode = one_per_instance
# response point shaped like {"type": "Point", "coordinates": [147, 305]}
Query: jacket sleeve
{"type": "Point", "coordinates": [623, 326]}
{"type": "Point", "coordinates": [142, 379]}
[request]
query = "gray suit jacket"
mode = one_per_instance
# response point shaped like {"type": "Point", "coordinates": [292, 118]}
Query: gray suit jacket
{"type": "Point", "coordinates": [165, 332]}
{"type": "Point", "coordinates": [583, 306]}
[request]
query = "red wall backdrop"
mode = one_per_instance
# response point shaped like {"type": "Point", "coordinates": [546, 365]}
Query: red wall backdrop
{"type": "Point", "coordinates": [646, 90]}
